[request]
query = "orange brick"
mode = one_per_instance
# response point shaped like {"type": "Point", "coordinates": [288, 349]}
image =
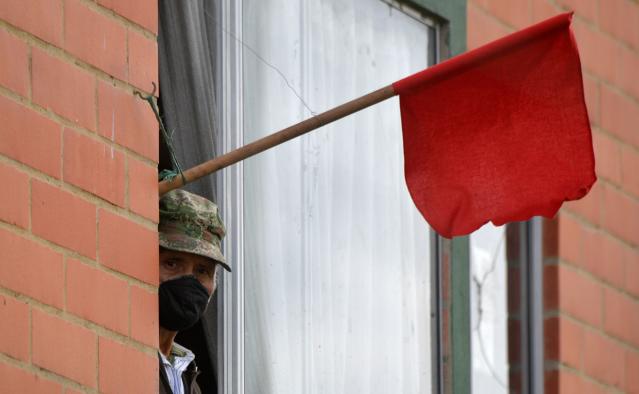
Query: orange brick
{"type": "Point", "coordinates": [564, 340]}
{"type": "Point", "coordinates": [63, 218]}
{"type": "Point", "coordinates": [589, 207]}
{"type": "Point", "coordinates": [579, 296]}
{"type": "Point", "coordinates": [143, 189]}
{"type": "Point", "coordinates": [551, 382]}
{"type": "Point", "coordinates": [570, 238]}
{"type": "Point", "coordinates": [127, 120]}
{"type": "Point", "coordinates": [621, 215]}
{"type": "Point", "coordinates": [607, 157]}
{"type": "Point", "coordinates": [611, 268]}
{"type": "Point", "coordinates": [632, 372]}
{"type": "Point", "coordinates": [510, 12]}
{"type": "Point", "coordinates": [619, 116]}
{"type": "Point", "coordinates": [626, 72]}
{"type": "Point", "coordinates": [604, 257]}
{"type": "Point", "coordinates": [551, 287]}
{"type": "Point", "coordinates": [562, 381]}
{"type": "Point", "coordinates": [14, 326]}
{"type": "Point", "coordinates": [598, 53]}
{"type": "Point", "coordinates": [551, 338]}
{"type": "Point", "coordinates": [143, 61]}
{"type": "Point", "coordinates": [25, 263]}
{"type": "Point", "coordinates": [14, 201]}
{"type": "Point", "coordinates": [629, 170]}
{"type": "Point", "coordinates": [621, 316]}
{"type": "Point", "coordinates": [482, 28]}
{"type": "Point", "coordinates": [565, 381]}
{"type": "Point", "coordinates": [142, 12]}
{"type": "Point", "coordinates": [621, 18]}
{"type": "Point", "coordinates": [144, 316]}
{"type": "Point", "coordinates": [15, 380]}
{"type": "Point", "coordinates": [584, 8]}
{"type": "Point", "coordinates": [95, 38]}
{"type": "Point", "coordinates": [116, 372]}
{"type": "Point", "coordinates": [543, 9]}
{"type": "Point", "coordinates": [94, 166]}
{"type": "Point", "coordinates": [591, 93]}
{"type": "Point", "coordinates": [591, 387]}
{"type": "Point", "coordinates": [14, 69]}
{"type": "Point", "coordinates": [603, 359]}
{"type": "Point", "coordinates": [592, 254]}
{"type": "Point", "coordinates": [64, 348]}
{"type": "Point", "coordinates": [128, 247]}
{"type": "Point", "coordinates": [66, 89]}
{"type": "Point", "coordinates": [632, 271]}
{"type": "Point", "coordinates": [41, 18]}
{"type": "Point", "coordinates": [20, 124]}
{"type": "Point", "coordinates": [550, 241]}
{"type": "Point", "coordinates": [97, 296]}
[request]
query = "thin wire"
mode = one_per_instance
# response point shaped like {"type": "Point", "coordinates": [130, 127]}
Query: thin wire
{"type": "Point", "coordinates": [260, 58]}
{"type": "Point", "coordinates": [177, 169]}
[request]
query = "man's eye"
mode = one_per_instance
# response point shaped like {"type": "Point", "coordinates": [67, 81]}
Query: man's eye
{"type": "Point", "coordinates": [170, 264]}
{"type": "Point", "coordinates": [204, 271]}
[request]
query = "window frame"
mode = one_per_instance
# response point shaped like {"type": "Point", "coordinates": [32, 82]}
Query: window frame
{"type": "Point", "coordinates": [231, 192]}
{"type": "Point", "coordinates": [527, 260]}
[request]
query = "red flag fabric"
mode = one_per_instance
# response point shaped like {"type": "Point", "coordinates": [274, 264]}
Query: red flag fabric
{"type": "Point", "coordinates": [500, 133]}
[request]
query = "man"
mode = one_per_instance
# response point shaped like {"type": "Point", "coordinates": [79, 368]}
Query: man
{"type": "Point", "coordinates": [190, 237]}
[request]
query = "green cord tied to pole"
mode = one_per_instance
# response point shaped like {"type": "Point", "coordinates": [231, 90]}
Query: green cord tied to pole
{"type": "Point", "coordinates": [164, 175]}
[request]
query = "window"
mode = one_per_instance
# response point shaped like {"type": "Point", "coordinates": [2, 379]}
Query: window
{"type": "Point", "coordinates": [338, 286]}
{"type": "Point", "coordinates": [506, 308]}
{"type": "Point", "coordinates": [334, 293]}
{"type": "Point", "coordinates": [489, 310]}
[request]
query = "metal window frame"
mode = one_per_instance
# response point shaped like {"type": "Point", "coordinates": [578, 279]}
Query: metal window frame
{"type": "Point", "coordinates": [531, 306]}
{"type": "Point", "coordinates": [450, 316]}
{"type": "Point", "coordinates": [231, 304]}
{"type": "Point", "coordinates": [450, 260]}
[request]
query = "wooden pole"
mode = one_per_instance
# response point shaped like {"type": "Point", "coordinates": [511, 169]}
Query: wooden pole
{"type": "Point", "coordinates": [209, 167]}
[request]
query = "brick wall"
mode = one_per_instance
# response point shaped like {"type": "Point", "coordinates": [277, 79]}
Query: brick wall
{"type": "Point", "coordinates": [592, 247]}
{"type": "Point", "coordinates": [78, 209]}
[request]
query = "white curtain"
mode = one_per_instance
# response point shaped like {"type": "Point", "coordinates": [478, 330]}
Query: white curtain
{"type": "Point", "coordinates": [336, 255]}
{"type": "Point", "coordinates": [489, 310]}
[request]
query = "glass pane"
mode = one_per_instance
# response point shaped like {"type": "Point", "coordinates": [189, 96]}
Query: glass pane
{"type": "Point", "coordinates": [489, 310]}
{"type": "Point", "coordinates": [337, 256]}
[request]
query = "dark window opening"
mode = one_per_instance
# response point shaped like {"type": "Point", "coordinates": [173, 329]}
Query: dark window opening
{"type": "Point", "coordinates": [187, 45]}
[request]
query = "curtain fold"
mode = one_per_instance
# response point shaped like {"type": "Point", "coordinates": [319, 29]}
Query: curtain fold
{"type": "Point", "coordinates": [187, 50]}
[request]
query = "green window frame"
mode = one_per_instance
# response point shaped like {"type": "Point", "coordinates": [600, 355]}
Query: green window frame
{"type": "Point", "coordinates": [450, 269]}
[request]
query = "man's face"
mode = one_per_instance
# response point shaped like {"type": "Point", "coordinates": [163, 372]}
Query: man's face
{"type": "Point", "coordinates": [174, 264]}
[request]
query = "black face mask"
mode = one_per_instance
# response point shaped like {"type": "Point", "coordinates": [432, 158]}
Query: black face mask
{"type": "Point", "coordinates": [182, 302]}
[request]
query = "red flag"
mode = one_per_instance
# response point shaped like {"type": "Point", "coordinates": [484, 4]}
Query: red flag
{"type": "Point", "coordinates": [500, 133]}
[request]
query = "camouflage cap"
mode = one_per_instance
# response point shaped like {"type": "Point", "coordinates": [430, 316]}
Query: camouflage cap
{"type": "Point", "coordinates": [191, 223]}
